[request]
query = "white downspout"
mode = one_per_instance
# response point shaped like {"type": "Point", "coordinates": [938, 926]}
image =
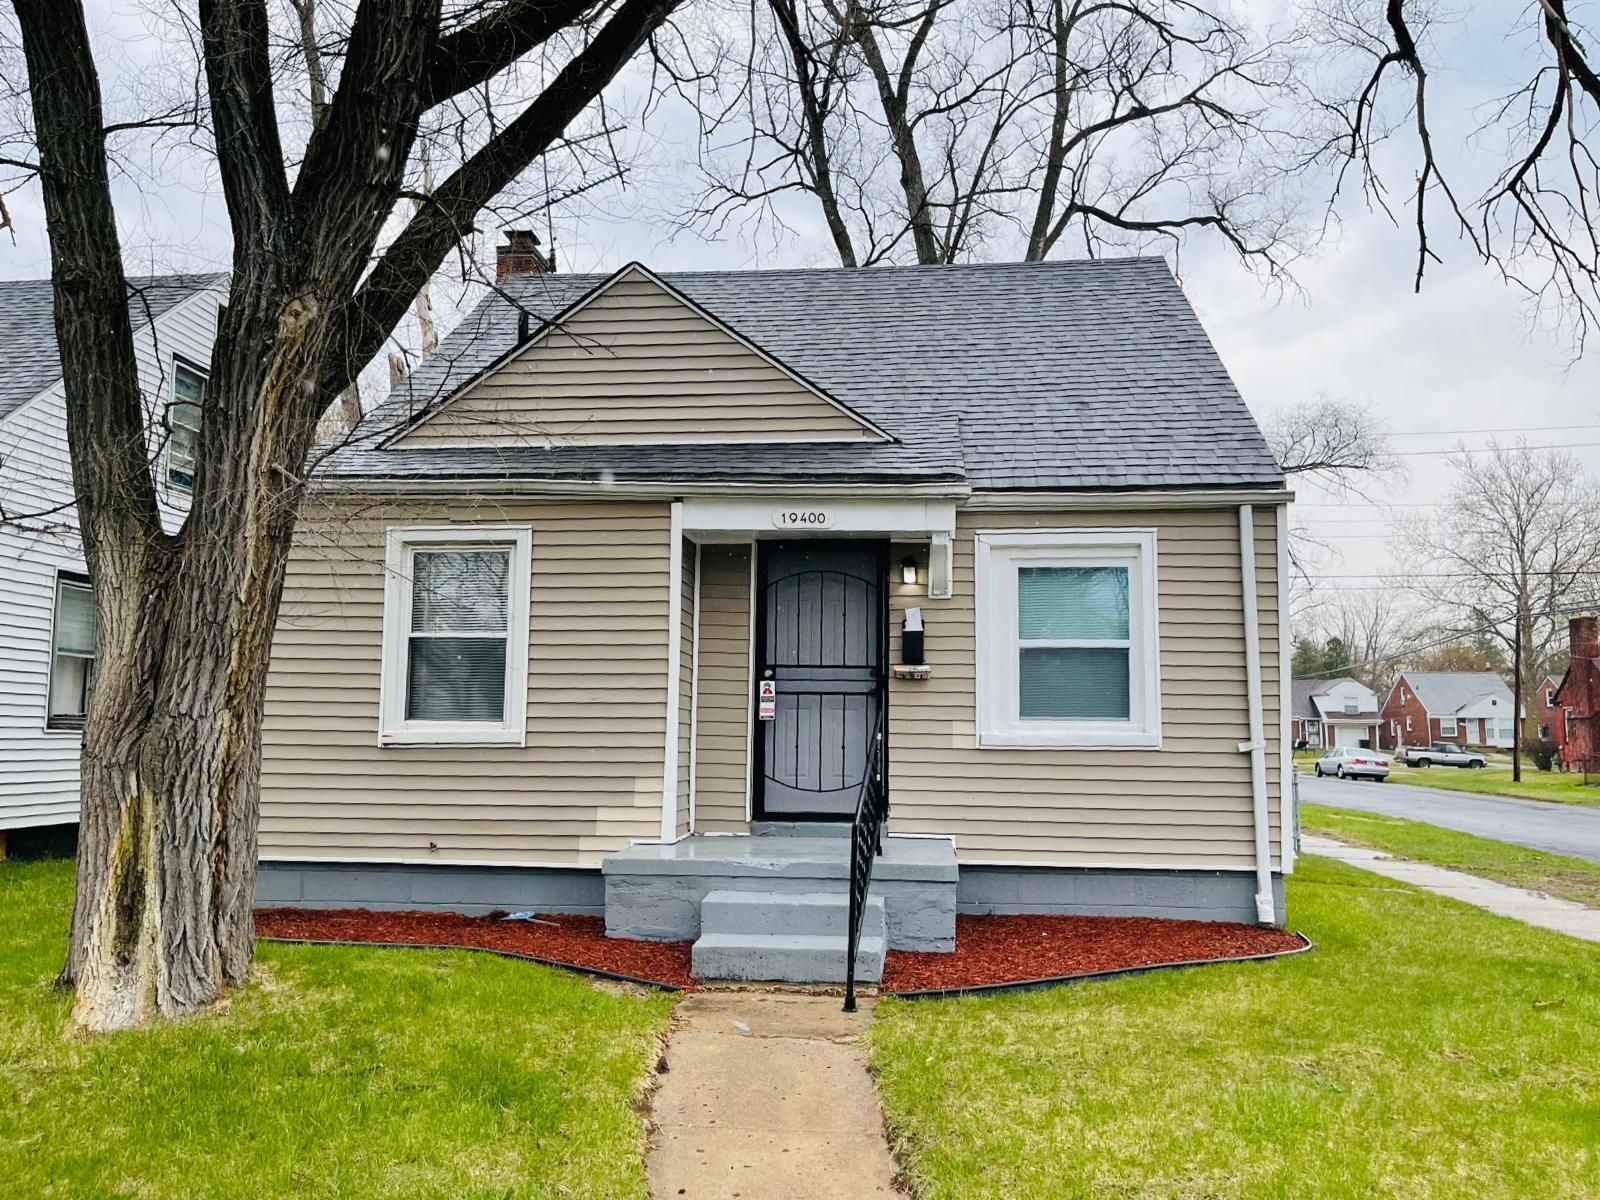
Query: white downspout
{"type": "Point", "coordinates": [1288, 809]}
{"type": "Point", "coordinates": [694, 690]}
{"type": "Point", "coordinates": [1256, 747]}
{"type": "Point", "coordinates": [669, 757]}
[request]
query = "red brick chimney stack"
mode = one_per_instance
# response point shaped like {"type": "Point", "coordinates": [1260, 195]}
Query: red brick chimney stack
{"type": "Point", "coordinates": [1580, 691]}
{"type": "Point", "coordinates": [1584, 635]}
{"type": "Point", "coordinates": [521, 256]}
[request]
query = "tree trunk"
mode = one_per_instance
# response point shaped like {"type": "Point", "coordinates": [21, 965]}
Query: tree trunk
{"type": "Point", "coordinates": [162, 917]}
{"type": "Point", "coordinates": [162, 913]}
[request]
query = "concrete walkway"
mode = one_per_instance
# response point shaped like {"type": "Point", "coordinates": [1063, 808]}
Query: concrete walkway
{"type": "Point", "coordinates": [767, 1097]}
{"type": "Point", "coordinates": [1535, 908]}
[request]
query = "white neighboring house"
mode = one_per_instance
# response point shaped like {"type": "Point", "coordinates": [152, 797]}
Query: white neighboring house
{"type": "Point", "coordinates": [1335, 712]}
{"type": "Point", "coordinates": [47, 621]}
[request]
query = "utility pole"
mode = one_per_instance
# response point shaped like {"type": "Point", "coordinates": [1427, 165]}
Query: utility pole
{"type": "Point", "coordinates": [1516, 696]}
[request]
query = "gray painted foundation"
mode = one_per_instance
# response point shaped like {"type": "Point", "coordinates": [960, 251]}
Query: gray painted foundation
{"type": "Point", "coordinates": [470, 890]}
{"type": "Point", "coordinates": [1082, 891]}
{"type": "Point", "coordinates": [659, 902]}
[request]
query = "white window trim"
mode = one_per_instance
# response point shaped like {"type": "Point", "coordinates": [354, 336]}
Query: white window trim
{"type": "Point", "coordinates": [77, 579]}
{"type": "Point", "coordinates": [393, 728]}
{"type": "Point", "coordinates": [1448, 727]}
{"type": "Point", "coordinates": [997, 552]}
{"type": "Point", "coordinates": [178, 361]}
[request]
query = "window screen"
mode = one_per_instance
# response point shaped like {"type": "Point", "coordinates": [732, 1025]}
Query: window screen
{"type": "Point", "coordinates": [71, 655]}
{"type": "Point", "coordinates": [1072, 643]}
{"type": "Point", "coordinates": [183, 423]}
{"type": "Point", "coordinates": [456, 647]}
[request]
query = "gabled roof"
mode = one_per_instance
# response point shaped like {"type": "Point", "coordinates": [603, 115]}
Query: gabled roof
{"type": "Point", "coordinates": [1301, 692]}
{"type": "Point", "coordinates": [1089, 375]}
{"type": "Point", "coordinates": [1448, 692]}
{"type": "Point", "coordinates": [29, 360]}
{"type": "Point", "coordinates": [637, 273]}
{"type": "Point", "coordinates": [1305, 692]}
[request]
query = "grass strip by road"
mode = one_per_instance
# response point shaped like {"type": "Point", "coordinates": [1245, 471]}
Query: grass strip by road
{"type": "Point", "coordinates": [1561, 875]}
{"type": "Point", "coordinates": [1536, 785]}
{"type": "Point", "coordinates": [1553, 786]}
{"type": "Point", "coordinates": [338, 1072]}
{"type": "Point", "coordinates": [1425, 1050]}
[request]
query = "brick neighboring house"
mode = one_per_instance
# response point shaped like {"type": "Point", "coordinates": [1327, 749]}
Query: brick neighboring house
{"type": "Point", "coordinates": [1470, 708]}
{"type": "Point", "coordinates": [1551, 715]}
{"type": "Point", "coordinates": [1579, 692]}
{"type": "Point", "coordinates": [1334, 712]}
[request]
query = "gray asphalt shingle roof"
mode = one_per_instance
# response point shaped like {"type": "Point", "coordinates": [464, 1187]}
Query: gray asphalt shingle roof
{"type": "Point", "coordinates": [29, 360]}
{"type": "Point", "coordinates": [1071, 375]}
{"type": "Point", "coordinates": [1448, 692]}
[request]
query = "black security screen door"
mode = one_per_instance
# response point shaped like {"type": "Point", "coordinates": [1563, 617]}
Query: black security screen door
{"type": "Point", "coordinates": [821, 641]}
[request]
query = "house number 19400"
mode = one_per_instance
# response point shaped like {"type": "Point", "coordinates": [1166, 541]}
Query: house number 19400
{"type": "Point", "coordinates": [802, 518]}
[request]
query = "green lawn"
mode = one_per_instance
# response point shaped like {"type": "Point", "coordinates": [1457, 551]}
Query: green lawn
{"type": "Point", "coordinates": [1425, 1051]}
{"type": "Point", "coordinates": [338, 1072]}
{"type": "Point", "coordinates": [1558, 874]}
{"type": "Point", "coordinates": [1535, 785]}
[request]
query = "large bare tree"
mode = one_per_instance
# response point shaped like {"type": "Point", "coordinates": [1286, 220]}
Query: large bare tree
{"type": "Point", "coordinates": [162, 919]}
{"type": "Point", "coordinates": [929, 130]}
{"type": "Point", "coordinates": [1513, 551]}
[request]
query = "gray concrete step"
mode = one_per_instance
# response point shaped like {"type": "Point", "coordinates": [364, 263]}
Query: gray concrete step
{"type": "Point", "coordinates": [788, 912]}
{"type": "Point", "coordinates": [788, 958]}
{"type": "Point", "coordinates": [655, 890]}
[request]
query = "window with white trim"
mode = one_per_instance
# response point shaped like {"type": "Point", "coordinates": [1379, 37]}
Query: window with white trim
{"type": "Point", "coordinates": [1550, 697]}
{"type": "Point", "coordinates": [1408, 722]}
{"type": "Point", "coordinates": [1351, 706]}
{"type": "Point", "coordinates": [1447, 727]}
{"type": "Point", "coordinates": [1067, 633]}
{"type": "Point", "coordinates": [455, 645]}
{"type": "Point", "coordinates": [1505, 729]}
{"type": "Point", "coordinates": [183, 422]}
{"type": "Point", "coordinates": [72, 641]}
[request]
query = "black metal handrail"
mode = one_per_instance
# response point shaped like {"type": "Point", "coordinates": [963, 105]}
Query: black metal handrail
{"type": "Point", "coordinates": [866, 844]}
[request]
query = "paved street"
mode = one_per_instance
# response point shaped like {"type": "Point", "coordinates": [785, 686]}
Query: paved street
{"type": "Point", "coordinates": [1563, 828]}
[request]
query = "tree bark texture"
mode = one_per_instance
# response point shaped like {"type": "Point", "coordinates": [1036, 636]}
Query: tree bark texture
{"type": "Point", "coordinates": [162, 914]}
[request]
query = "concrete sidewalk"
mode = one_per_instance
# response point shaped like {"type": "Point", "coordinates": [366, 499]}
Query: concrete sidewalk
{"type": "Point", "coordinates": [1535, 908]}
{"type": "Point", "coordinates": [767, 1097]}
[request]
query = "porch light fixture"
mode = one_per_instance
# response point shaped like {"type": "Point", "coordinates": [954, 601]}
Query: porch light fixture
{"type": "Point", "coordinates": [908, 570]}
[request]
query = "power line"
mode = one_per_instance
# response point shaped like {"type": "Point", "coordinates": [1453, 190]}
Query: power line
{"type": "Point", "coordinates": [1474, 432]}
{"type": "Point", "coordinates": [1489, 449]}
{"type": "Point", "coordinates": [1444, 641]}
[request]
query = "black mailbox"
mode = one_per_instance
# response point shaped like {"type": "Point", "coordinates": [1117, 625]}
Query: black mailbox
{"type": "Point", "coordinates": [911, 653]}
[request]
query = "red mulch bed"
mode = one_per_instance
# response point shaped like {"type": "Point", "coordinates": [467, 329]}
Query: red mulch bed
{"type": "Point", "coordinates": [989, 950]}
{"type": "Point", "coordinates": [1011, 949]}
{"type": "Point", "coordinates": [580, 941]}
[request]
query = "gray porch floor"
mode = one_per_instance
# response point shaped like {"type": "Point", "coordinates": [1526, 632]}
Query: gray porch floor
{"type": "Point", "coordinates": [802, 857]}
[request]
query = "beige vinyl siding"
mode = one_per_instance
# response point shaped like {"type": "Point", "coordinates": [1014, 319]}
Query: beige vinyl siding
{"type": "Point", "coordinates": [1188, 804]}
{"type": "Point", "coordinates": [636, 365]}
{"type": "Point", "coordinates": [723, 705]}
{"type": "Point", "coordinates": [686, 625]}
{"type": "Point", "coordinates": [589, 779]}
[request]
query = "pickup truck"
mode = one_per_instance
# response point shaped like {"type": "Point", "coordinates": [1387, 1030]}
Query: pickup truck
{"type": "Point", "coordinates": [1440, 754]}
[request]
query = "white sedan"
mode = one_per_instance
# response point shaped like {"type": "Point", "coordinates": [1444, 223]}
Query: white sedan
{"type": "Point", "coordinates": [1353, 764]}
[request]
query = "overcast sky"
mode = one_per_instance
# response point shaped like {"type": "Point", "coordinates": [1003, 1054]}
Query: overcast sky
{"type": "Point", "coordinates": [1451, 365]}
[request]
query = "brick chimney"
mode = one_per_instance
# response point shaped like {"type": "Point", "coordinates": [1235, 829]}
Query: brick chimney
{"type": "Point", "coordinates": [1580, 691]}
{"type": "Point", "coordinates": [521, 256]}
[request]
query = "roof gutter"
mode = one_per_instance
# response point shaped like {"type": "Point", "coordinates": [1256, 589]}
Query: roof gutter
{"type": "Point", "coordinates": [1144, 498]}
{"type": "Point", "coordinates": [1256, 746]}
{"type": "Point", "coordinates": [643, 489]}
